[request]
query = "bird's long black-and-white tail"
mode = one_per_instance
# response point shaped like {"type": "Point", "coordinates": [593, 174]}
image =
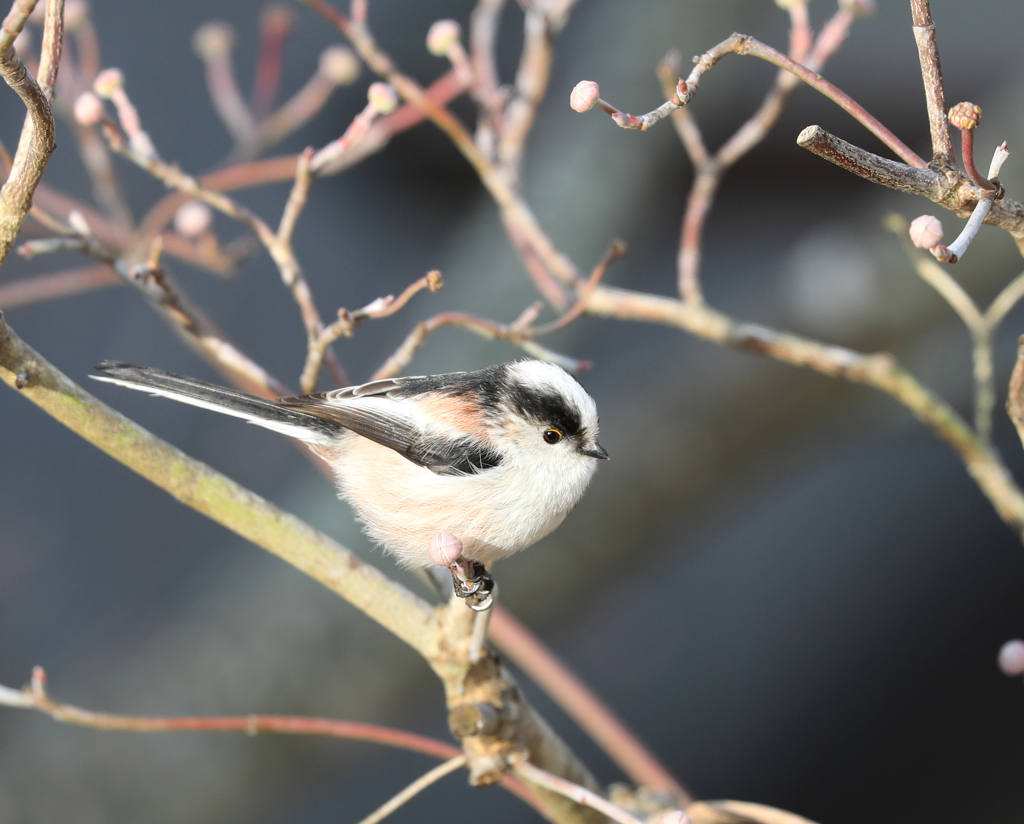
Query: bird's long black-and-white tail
{"type": "Point", "coordinates": [269, 414]}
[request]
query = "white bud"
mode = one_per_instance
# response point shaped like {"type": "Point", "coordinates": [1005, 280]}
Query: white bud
{"type": "Point", "coordinates": [340, 64]}
{"type": "Point", "coordinates": [925, 231]}
{"type": "Point", "coordinates": [443, 34]}
{"type": "Point", "coordinates": [382, 97]}
{"type": "Point", "coordinates": [584, 95]}
{"type": "Point", "coordinates": [193, 218]}
{"type": "Point", "coordinates": [444, 549]}
{"type": "Point", "coordinates": [108, 82]}
{"type": "Point", "coordinates": [88, 109]}
{"type": "Point", "coordinates": [1011, 658]}
{"type": "Point", "coordinates": [213, 39]}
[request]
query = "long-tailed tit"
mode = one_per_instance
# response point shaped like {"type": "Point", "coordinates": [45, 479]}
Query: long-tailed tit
{"type": "Point", "coordinates": [496, 457]}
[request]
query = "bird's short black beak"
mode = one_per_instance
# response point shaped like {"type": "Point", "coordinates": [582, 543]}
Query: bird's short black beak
{"type": "Point", "coordinates": [595, 451]}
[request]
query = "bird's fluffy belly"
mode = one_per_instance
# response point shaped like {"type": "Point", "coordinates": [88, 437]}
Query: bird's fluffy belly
{"type": "Point", "coordinates": [403, 505]}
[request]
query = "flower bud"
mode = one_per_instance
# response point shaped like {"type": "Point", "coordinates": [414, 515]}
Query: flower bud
{"type": "Point", "coordinates": [88, 109]}
{"type": "Point", "coordinates": [444, 549]}
{"type": "Point", "coordinates": [584, 95]}
{"type": "Point", "coordinates": [965, 116]}
{"type": "Point", "coordinates": [443, 34]}
{"type": "Point", "coordinates": [925, 231]}
{"type": "Point", "coordinates": [339, 64]}
{"type": "Point", "coordinates": [193, 219]}
{"type": "Point", "coordinates": [1011, 658]}
{"type": "Point", "coordinates": [213, 39]}
{"type": "Point", "coordinates": [382, 97]}
{"type": "Point", "coordinates": [108, 82]}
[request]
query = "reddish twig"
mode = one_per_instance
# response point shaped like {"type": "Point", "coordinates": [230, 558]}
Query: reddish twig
{"type": "Point", "coordinates": [42, 288]}
{"type": "Point", "coordinates": [577, 700]}
{"type": "Point", "coordinates": [276, 23]}
{"type": "Point", "coordinates": [744, 44]}
{"type": "Point", "coordinates": [35, 697]}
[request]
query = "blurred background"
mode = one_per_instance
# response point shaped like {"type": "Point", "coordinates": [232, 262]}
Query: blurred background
{"type": "Point", "coordinates": [788, 587]}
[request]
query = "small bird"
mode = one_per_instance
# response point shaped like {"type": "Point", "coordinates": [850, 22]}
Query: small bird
{"type": "Point", "coordinates": [496, 457]}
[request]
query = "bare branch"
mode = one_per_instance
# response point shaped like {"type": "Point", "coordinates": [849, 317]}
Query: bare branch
{"type": "Point", "coordinates": [414, 789]}
{"type": "Point", "coordinates": [37, 136]}
{"type": "Point", "coordinates": [934, 91]}
{"type": "Point", "coordinates": [217, 497]}
{"type": "Point", "coordinates": [581, 795]}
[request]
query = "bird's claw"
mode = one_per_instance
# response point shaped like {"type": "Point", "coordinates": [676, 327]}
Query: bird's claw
{"type": "Point", "coordinates": [473, 583]}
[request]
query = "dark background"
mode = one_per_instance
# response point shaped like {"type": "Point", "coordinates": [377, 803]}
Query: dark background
{"type": "Point", "coordinates": [789, 587]}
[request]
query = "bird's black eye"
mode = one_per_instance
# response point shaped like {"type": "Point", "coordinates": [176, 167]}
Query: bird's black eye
{"type": "Point", "coordinates": [552, 436]}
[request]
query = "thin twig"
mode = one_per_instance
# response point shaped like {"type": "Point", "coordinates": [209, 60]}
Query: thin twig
{"type": "Point", "coordinates": [347, 322]}
{"type": "Point", "coordinates": [576, 699]}
{"type": "Point", "coordinates": [878, 370]}
{"type": "Point", "coordinates": [414, 789]}
{"type": "Point", "coordinates": [712, 168]}
{"type": "Point", "coordinates": [280, 252]}
{"type": "Point", "coordinates": [40, 288]}
{"type": "Point", "coordinates": [744, 44]}
{"type": "Point", "coordinates": [581, 795]}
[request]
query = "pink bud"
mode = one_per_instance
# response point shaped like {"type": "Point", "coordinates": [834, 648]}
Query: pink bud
{"type": "Point", "coordinates": [108, 82]}
{"type": "Point", "coordinates": [444, 549]}
{"type": "Point", "coordinates": [382, 97]}
{"type": "Point", "coordinates": [339, 64]}
{"type": "Point", "coordinates": [925, 231]}
{"type": "Point", "coordinates": [88, 109]}
{"type": "Point", "coordinates": [1011, 658]}
{"type": "Point", "coordinates": [442, 36]}
{"type": "Point", "coordinates": [213, 39]}
{"type": "Point", "coordinates": [193, 218]}
{"type": "Point", "coordinates": [584, 95]}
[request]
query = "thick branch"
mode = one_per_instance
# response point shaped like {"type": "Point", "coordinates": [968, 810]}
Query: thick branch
{"type": "Point", "coordinates": [878, 370]}
{"type": "Point", "coordinates": [198, 486]}
{"type": "Point", "coordinates": [956, 193]}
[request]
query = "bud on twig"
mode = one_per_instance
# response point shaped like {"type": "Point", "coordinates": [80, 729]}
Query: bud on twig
{"type": "Point", "coordinates": [108, 82]}
{"type": "Point", "coordinates": [213, 39]}
{"type": "Point", "coordinates": [1011, 658]}
{"type": "Point", "coordinates": [339, 64]}
{"type": "Point", "coordinates": [382, 97]}
{"type": "Point", "coordinates": [193, 219]}
{"type": "Point", "coordinates": [925, 231]}
{"type": "Point", "coordinates": [585, 95]}
{"type": "Point", "coordinates": [443, 34]}
{"type": "Point", "coordinates": [88, 109]}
